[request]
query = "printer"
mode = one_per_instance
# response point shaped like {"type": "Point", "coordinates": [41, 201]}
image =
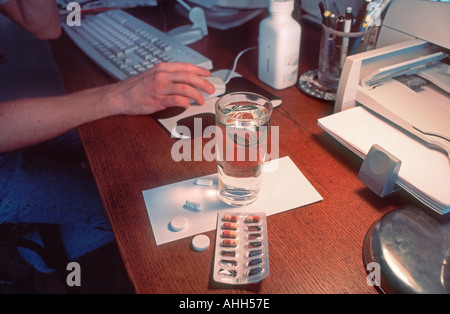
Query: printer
{"type": "Point", "coordinates": [414, 33]}
{"type": "Point", "coordinates": [405, 83]}
{"type": "Point", "coordinates": [393, 110]}
{"type": "Point", "coordinates": [411, 19]}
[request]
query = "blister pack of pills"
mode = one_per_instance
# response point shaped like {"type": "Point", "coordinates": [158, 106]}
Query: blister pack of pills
{"type": "Point", "coordinates": [242, 248]}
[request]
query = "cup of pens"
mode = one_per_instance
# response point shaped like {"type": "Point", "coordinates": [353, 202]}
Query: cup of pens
{"type": "Point", "coordinates": [335, 46]}
{"type": "Point", "coordinates": [342, 36]}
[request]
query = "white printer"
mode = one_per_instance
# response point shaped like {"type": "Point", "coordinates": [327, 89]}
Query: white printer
{"type": "Point", "coordinates": [414, 33]}
{"type": "Point", "coordinates": [405, 84]}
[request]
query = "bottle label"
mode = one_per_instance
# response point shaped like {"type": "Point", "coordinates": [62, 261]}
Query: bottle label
{"type": "Point", "coordinates": [291, 67]}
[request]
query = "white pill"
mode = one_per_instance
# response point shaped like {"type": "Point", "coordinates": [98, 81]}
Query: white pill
{"type": "Point", "coordinates": [178, 223]}
{"type": "Point", "coordinates": [200, 242]}
{"type": "Point", "coordinates": [194, 205]}
{"type": "Point", "coordinates": [204, 182]}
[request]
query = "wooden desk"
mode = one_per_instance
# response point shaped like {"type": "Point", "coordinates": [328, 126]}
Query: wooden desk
{"type": "Point", "coordinates": [314, 249]}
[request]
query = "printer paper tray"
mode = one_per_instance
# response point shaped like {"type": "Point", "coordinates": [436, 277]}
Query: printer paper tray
{"type": "Point", "coordinates": [425, 173]}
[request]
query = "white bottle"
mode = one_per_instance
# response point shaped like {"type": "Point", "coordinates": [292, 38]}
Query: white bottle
{"type": "Point", "coordinates": [279, 46]}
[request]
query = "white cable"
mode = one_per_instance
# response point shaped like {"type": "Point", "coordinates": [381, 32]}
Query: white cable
{"type": "Point", "coordinates": [236, 61]}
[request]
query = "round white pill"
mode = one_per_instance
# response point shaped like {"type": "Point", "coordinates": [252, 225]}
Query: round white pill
{"type": "Point", "coordinates": [200, 242]}
{"type": "Point", "coordinates": [178, 223]}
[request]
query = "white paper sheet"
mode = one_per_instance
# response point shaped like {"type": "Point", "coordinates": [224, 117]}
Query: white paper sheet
{"type": "Point", "coordinates": [283, 189]}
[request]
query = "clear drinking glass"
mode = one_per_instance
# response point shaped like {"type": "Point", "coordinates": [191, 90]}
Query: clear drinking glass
{"type": "Point", "coordinates": [242, 121]}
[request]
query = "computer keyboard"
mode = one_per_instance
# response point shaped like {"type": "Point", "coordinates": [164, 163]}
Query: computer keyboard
{"type": "Point", "coordinates": [125, 46]}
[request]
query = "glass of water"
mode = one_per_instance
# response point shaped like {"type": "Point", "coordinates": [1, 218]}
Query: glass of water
{"type": "Point", "coordinates": [242, 121]}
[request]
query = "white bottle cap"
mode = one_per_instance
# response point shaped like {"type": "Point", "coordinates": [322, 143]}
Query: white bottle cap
{"type": "Point", "coordinates": [281, 6]}
{"type": "Point", "coordinates": [200, 242]}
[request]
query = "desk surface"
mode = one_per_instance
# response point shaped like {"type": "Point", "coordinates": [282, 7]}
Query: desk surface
{"type": "Point", "coordinates": [313, 249]}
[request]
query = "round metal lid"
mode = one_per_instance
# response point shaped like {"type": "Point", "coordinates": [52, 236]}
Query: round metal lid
{"type": "Point", "coordinates": [412, 249]}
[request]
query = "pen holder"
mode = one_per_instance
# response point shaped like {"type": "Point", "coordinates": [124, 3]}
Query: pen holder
{"type": "Point", "coordinates": [335, 46]}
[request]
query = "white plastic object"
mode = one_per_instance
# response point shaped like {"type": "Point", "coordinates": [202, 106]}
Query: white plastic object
{"type": "Point", "coordinates": [193, 205]}
{"type": "Point", "coordinates": [219, 87]}
{"type": "Point", "coordinates": [279, 46]}
{"type": "Point", "coordinates": [379, 171]}
{"type": "Point", "coordinates": [204, 182]}
{"type": "Point", "coordinates": [189, 34]}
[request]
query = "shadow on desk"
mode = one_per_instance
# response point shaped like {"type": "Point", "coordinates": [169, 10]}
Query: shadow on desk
{"type": "Point", "coordinates": [102, 272]}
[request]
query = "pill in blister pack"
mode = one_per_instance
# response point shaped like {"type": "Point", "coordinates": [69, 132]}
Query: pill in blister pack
{"type": "Point", "coordinates": [229, 226]}
{"type": "Point", "coordinates": [242, 250]}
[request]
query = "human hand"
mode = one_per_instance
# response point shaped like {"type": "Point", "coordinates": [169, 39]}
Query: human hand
{"type": "Point", "coordinates": [164, 85]}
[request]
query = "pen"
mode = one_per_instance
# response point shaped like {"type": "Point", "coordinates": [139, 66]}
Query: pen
{"type": "Point", "coordinates": [347, 29]}
{"type": "Point", "coordinates": [338, 41]}
{"type": "Point", "coordinates": [333, 20]}
{"type": "Point", "coordinates": [348, 20]}
{"type": "Point", "coordinates": [340, 24]}
{"type": "Point", "coordinates": [358, 40]}
{"type": "Point", "coordinates": [322, 11]}
{"type": "Point", "coordinates": [327, 16]}
{"type": "Point", "coordinates": [358, 25]}
{"type": "Point", "coordinates": [336, 46]}
{"type": "Point", "coordinates": [361, 17]}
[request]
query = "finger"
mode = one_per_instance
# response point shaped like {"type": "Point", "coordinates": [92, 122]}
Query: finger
{"type": "Point", "coordinates": [182, 67]}
{"type": "Point", "coordinates": [187, 91]}
{"type": "Point", "coordinates": [195, 81]}
{"type": "Point", "coordinates": [160, 75]}
{"type": "Point", "coordinates": [176, 101]}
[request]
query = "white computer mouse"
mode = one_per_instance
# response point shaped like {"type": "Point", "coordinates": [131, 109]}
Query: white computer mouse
{"type": "Point", "coordinates": [219, 86]}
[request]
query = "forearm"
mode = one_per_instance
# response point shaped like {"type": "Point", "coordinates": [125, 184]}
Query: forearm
{"type": "Point", "coordinates": [39, 17]}
{"type": "Point", "coordinates": [27, 122]}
